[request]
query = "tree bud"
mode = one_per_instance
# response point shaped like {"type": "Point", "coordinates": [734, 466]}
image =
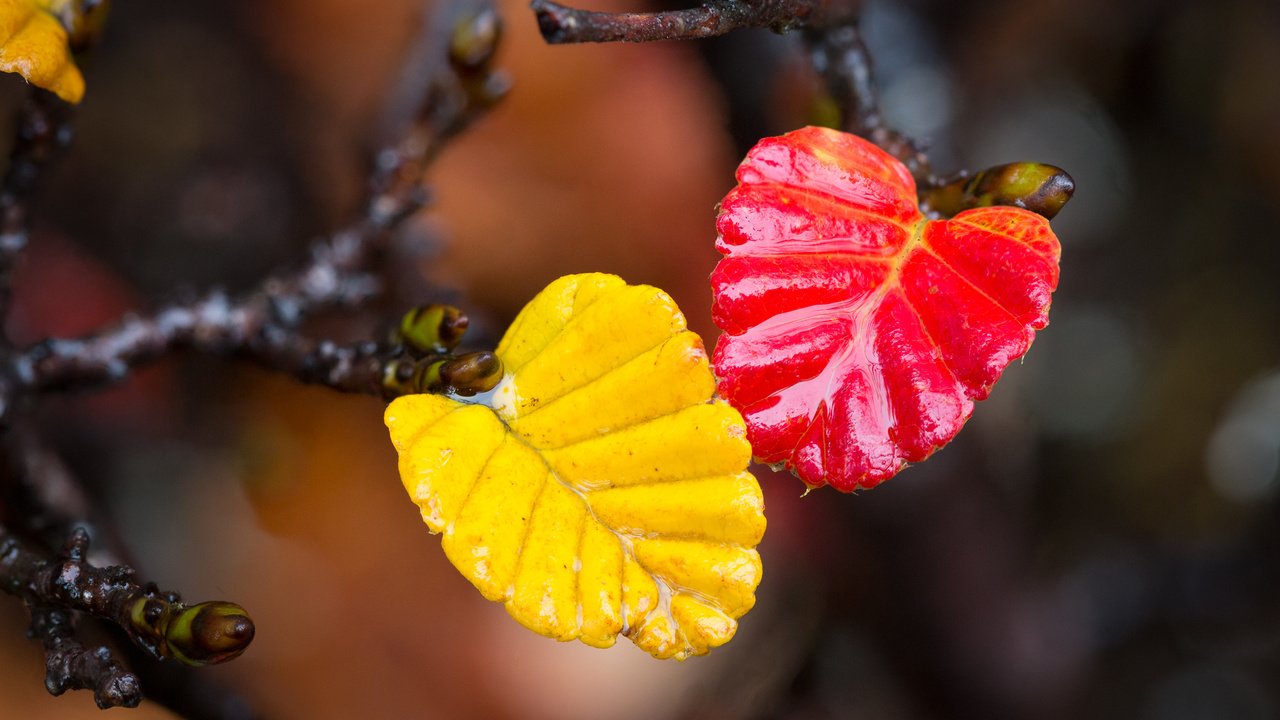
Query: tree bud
{"type": "Point", "coordinates": [203, 634]}
{"type": "Point", "coordinates": [431, 329]}
{"type": "Point", "coordinates": [1042, 189]}
{"type": "Point", "coordinates": [471, 373]}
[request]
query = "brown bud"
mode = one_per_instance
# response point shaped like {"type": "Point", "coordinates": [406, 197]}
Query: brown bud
{"type": "Point", "coordinates": [471, 373]}
{"type": "Point", "coordinates": [209, 633]}
{"type": "Point", "coordinates": [426, 376]}
{"type": "Point", "coordinates": [202, 634]}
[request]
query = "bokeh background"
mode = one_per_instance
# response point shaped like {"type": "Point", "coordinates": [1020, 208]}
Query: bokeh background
{"type": "Point", "coordinates": [1103, 539]}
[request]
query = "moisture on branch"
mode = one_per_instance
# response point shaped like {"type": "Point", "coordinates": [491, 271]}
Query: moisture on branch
{"type": "Point", "coordinates": [561, 25]}
{"type": "Point", "coordinates": [159, 622]}
{"type": "Point", "coordinates": [263, 325]}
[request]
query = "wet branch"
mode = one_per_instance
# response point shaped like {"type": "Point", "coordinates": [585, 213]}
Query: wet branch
{"type": "Point", "coordinates": [561, 25]}
{"type": "Point", "coordinates": [69, 665]}
{"type": "Point", "coordinates": [159, 622]}
{"type": "Point", "coordinates": [262, 326]}
{"type": "Point", "coordinates": [48, 504]}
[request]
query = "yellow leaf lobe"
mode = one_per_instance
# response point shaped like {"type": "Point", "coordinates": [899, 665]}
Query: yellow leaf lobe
{"type": "Point", "coordinates": [34, 44]}
{"type": "Point", "coordinates": [600, 489]}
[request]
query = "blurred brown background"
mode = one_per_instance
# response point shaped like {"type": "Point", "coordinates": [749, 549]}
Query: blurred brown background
{"type": "Point", "coordinates": [1100, 542]}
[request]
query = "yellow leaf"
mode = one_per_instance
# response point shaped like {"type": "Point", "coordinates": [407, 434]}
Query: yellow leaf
{"type": "Point", "coordinates": [599, 489]}
{"type": "Point", "coordinates": [33, 44]}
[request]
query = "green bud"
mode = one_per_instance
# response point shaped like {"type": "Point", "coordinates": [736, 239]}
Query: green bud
{"type": "Point", "coordinates": [209, 633]}
{"type": "Point", "coordinates": [475, 39]}
{"type": "Point", "coordinates": [426, 376]}
{"type": "Point", "coordinates": [410, 377]}
{"type": "Point", "coordinates": [397, 378]}
{"type": "Point", "coordinates": [467, 374]}
{"type": "Point", "coordinates": [203, 634]}
{"type": "Point", "coordinates": [1042, 189]}
{"type": "Point", "coordinates": [431, 329]}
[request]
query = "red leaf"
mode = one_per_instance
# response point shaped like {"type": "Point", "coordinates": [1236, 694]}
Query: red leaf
{"type": "Point", "coordinates": [857, 334]}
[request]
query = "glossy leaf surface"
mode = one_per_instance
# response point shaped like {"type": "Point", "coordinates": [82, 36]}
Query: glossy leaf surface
{"type": "Point", "coordinates": [857, 334]}
{"type": "Point", "coordinates": [599, 489]}
{"type": "Point", "coordinates": [33, 44]}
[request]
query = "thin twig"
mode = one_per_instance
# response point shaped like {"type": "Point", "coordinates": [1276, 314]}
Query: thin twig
{"type": "Point", "coordinates": [48, 502]}
{"type": "Point", "coordinates": [43, 130]}
{"type": "Point", "coordinates": [840, 57]}
{"type": "Point", "coordinates": [262, 325]}
{"type": "Point", "coordinates": [831, 37]}
{"type": "Point", "coordinates": [159, 622]}
{"type": "Point", "coordinates": [71, 666]}
{"type": "Point", "coordinates": [461, 84]}
{"type": "Point", "coordinates": [40, 496]}
{"type": "Point", "coordinates": [561, 25]}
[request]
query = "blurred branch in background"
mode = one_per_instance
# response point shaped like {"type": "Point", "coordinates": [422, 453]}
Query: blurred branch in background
{"type": "Point", "coordinates": [43, 130]}
{"type": "Point", "coordinates": [840, 57]}
{"type": "Point", "coordinates": [263, 325]}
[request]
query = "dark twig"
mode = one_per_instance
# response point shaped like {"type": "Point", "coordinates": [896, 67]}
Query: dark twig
{"type": "Point", "coordinates": [831, 36]}
{"type": "Point", "coordinates": [561, 25]}
{"type": "Point", "coordinates": [840, 57]}
{"type": "Point", "coordinates": [71, 666]}
{"type": "Point", "coordinates": [45, 500]}
{"type": "Point", "coordinates": [262, 326]}
{"type": "Point", "coordinates": [159, 622]}
{"type": "Point", "coordinates": [461, 85]}
{"type": "Point", "coordinates": [48, 501]}
{"type": "Point", "coordinates": [43, 129]}
{"type": "Point", "coordinates": [216, 326]}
